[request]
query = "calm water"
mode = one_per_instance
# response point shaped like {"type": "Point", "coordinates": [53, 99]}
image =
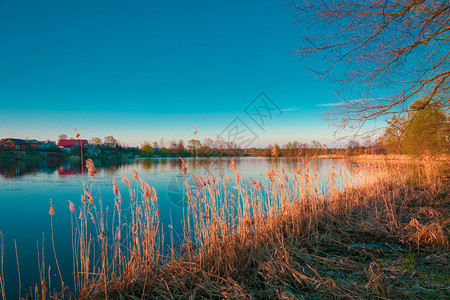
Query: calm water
{"type": "Point", "coordinates": [27, 187]}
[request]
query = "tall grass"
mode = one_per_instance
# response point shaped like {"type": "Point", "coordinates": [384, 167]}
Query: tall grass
{"type": "Point", "coordinates": [107, 251]}
{"type": "Point", "coordinates": [233, 225]}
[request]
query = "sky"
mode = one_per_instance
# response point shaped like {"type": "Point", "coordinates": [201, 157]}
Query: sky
{"type": "Point", "coordinates": [145, 70]}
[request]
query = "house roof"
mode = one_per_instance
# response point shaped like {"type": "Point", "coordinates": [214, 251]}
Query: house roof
{"type": "Point", "coordinates": [71, 143]}
{"type": "Point", "coordinates": [50, 146]}
{"type": "Point", "coordinates": [31, 141]}
{"type": "Point", "coordinates": [15, 141]}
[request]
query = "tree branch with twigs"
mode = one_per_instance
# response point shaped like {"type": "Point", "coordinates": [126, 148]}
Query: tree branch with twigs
{"type": "Point", "coordinates": [392, 52]}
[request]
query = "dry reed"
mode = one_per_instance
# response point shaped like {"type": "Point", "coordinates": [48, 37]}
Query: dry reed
{"type": "Point", "coordinates": [300, 234]}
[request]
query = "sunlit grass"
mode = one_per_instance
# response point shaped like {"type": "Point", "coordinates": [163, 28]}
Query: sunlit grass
{"type": "Point", "coordinates": [238, 234]}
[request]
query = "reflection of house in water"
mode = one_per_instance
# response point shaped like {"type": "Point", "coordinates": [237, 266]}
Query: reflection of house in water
{"type": "Point", "coordinates": [16, 168]}
{"type": "Point", "coordinates": [12, 171]}
{"type": "Point", "coordinates": [69, 167]}
{"type": "Point", "coordinates": [66, 171]}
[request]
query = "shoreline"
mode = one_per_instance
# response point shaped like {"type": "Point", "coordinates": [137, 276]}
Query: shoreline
{"type": "Point", "coordinates": [382, 240]}
{"type": "Point", "coordinates": [386, 238]}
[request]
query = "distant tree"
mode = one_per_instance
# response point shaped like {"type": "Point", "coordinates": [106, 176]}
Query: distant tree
{"type": "Point", "coordinates": [288, 149]}
{"type": "Point", "coordinates": [208, 142]}
{"type": "Point", "coordinates": [268, 151]}
{"type": "Point", "coordinates": [62, 136]}
{"type": "Point", "coordinates": [95, 141]}
{"type": "Point", "coordinates": [155, 145]}
{"type": "Point", "coordinates": [110, 140]}
{"type": "Point", "coordinates": [393, 135]}
{"type": "Point", "coordinates": [231, 148]}
{"type": "Point", "coordinates": [369, 146]}
{"type": "Point", "coordinates": [353, 144]}
{"type": "Point", "coordinates": [315, 145]}
{"type": "Point", "coordinates": [164, 152]}
{"type": "Point", "coordinates": [297, 147]}
{"type": "Point", "coordinates": [353, 147]}
{"type": "Point", "coordinates": [147, 149]}
{"type": "Point", "coordinates": [424, 130]}
{"type": "Point", "coordinates": [402, 46]}
{"type": "Point", "coordinates": [173, 146]}
{"type": "Point", "coordinates": [207, 147]}
{"type": "Point", "coordinates": [193, 146]}
{"type": "Point", "coordinates": [428, 130]}
{"type": "Point", "coordinates": [180, 150]}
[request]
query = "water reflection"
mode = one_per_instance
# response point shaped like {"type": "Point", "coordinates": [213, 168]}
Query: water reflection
{"type": "Point", "coordinates": [216, 165]}
{"type": "Point", "coordinates": [31, 184]}
{"type": "Point", "coordinates": [19, 168]}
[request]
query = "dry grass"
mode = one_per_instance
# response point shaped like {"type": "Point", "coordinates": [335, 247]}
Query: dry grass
{"type": "Point", "coordinates": [376, 231]}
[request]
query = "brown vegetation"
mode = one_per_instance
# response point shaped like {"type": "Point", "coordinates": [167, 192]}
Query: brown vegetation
{"type": "Point", "coordinates": [374, 231]}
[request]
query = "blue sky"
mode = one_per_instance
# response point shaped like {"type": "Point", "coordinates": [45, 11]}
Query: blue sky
{"type": "Point", "coordinates": [142, 70]}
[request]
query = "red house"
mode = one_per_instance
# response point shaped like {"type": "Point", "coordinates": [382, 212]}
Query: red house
{"type": "Point", "coordinates": [67, 144]}
{"type": "Point", "coordinates": [13, 145]}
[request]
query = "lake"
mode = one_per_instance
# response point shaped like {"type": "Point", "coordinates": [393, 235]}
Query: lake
{"type": "Point", "coordinates": [27, 187]}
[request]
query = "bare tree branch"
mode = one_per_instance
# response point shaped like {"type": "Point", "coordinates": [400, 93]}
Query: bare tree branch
{"type": "Point", "coordinates": [392, 51]}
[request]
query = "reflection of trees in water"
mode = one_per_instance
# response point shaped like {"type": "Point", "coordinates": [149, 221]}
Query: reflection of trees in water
{"type": "Point", "coordinates": [160, 163]}
{"type": "Point", "coordinates": [16, 168]}
{"type": "Point", "coordinates": [108, 166]}
{"type": "Point", "coordinates": [202, 164]}
{"type": "Point", "coordinates": [147, 164]}
{"type": "Point", "coordinates": [208, 165]}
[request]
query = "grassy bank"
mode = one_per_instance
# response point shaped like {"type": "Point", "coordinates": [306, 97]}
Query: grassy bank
{"type": "Point", "coordinates": [387, 157]}
{"type": "Point", "coordinates": [373, 231]}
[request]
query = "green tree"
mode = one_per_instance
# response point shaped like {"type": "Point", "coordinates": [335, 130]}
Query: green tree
{"type": "Point", "coordinates": [315, 147]}
{"type": "Point", "coordinates": [147, 149]}
{"type": "Point", "coordinates": [164, 152]}
{"type": "Point", "coordinates": [427, 131]}
{"type": "Point", "coordinates": [193, 146]}
{"type": "Point", "coordinates": [423, 131]}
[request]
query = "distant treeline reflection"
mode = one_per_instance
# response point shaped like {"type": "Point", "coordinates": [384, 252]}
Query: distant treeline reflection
{"type": "Point", "coordinates": [17, 168]}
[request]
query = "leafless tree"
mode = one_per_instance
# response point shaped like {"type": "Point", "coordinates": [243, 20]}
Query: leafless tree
{"type": "Point", "coordinates": [95, 141]}
{"type": "Point", "coordinates": [391, 51]}
{"type": "Point", "coordinates": [110, 140]}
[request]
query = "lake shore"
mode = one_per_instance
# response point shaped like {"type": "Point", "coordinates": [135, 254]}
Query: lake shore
{"type": "Point", "coordinates": [319, 229]}
{"type": "Point", "coordinates": [384, 240]}
{"type": "Point", "coordinates": [381, 157]}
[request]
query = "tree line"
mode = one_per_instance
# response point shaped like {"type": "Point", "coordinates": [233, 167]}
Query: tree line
{"type": "Point", "coordinates": [424, 130]}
